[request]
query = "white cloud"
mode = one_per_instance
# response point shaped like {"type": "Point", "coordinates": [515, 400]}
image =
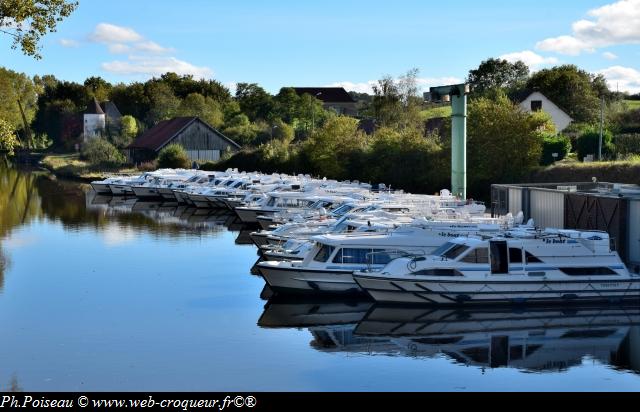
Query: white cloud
{"type": "Point", "coordinates": [609, 56]}
{"type": "Point", "coordinates": [155, 66]}
{"type": "Point", "coordinates": [364, 87]}
{"type": "Point", "coordinates": [423, 84]}
{"type": "Point", "coordinates": [119, 48]}
{"type": "Point", "coordinates": [142, 54]}
{"type": "Point", "coordinates": [616, 23]}
{"type": "Point", "coordinates": [626, 79]}
{"type": "Point", "coordinates": [530, 58]}
{"type": "Point", "coordinates": [564, 45]}
{"type": "Point", "coordinates": [110, 33]}
{"type": "Point", "coordinates": [69, 43]}
{"type": "Point", "coordinates": [151, 47]}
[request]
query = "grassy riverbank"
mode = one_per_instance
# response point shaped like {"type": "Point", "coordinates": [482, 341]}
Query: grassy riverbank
{"type": "Point", "coordinates": [71, 166]}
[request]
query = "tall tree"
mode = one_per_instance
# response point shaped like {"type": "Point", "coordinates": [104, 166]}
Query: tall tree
{"type": "Point", "coordinates": [28, 20]}
{"type": "Point", "coordinates": [16, 87]}
{"type": "Point", "coordinates": [387, 102]}
{"type": "Point", "coordinates": [504, 142]}
{"type": "Point", "coordinates": [495, 74]}
{"type": "Point", "coordinates": [205, 108]}
{"type": "Point", "coordinates": [287, 102]}
{"type": "Point", "coordinates": [576, 91]}
{"type": "Point", "coordinates": [163, 103]}
{"type": "Point", "coordinates": [254, 101]}
{"type": "Point", "coordinates": [98, 87]}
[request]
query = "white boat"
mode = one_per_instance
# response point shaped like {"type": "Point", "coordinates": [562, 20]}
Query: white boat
{"type": "Point", "coordinates": [329, 266]}
{"type": "Point", "coordinates": [548, 266]}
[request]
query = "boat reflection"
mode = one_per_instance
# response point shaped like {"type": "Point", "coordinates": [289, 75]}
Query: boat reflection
{"type": "Point", "coordinates": [531, 340]}
{"type": "Point", "coordinates": [282, 312]}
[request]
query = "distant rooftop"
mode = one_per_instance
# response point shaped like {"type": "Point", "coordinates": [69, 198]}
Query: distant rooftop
{"type": "Point", "coordinates": [94, 108]}
{"type": "Point", "coordinates": [326, 94]}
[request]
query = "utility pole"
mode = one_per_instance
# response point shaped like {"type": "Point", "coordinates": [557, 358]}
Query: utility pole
{"type": "Point", "coordinates": [601, 128]}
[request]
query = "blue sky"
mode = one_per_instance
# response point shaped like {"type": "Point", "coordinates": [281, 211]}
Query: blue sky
{"type": "Point", "coordinates": [319, 43]}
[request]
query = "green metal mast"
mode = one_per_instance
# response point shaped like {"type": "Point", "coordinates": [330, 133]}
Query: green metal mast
{"type": "Point", "coordinates": [457, 95]}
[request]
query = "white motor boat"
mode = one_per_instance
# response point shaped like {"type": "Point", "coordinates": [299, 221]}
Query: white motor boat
{"type": "Point", "coordinates": [516, 267]}
{"type": "Point", "coordinates": [329, 266]}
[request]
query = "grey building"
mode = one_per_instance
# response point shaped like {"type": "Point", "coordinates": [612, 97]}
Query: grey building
{"type": "Point", "coordinates": [201, 141]}
{"type": "Point", "coordinates": [333, 98]}
{"type": "Point", "coordinates": [609, 207]}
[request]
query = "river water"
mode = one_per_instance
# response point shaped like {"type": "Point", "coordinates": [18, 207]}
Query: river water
{"type": "Point", "coordinates": [100, 293]}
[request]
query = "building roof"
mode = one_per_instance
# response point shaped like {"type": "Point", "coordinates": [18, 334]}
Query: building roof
{"type": "Point", "coordinates": [94, 108]}
{"type": "Point", "coordinates": [163, 132]}
{"type": "Point", "coordinates": [326, 94]}
{"type": "Point", "coordinates": [110, 109]}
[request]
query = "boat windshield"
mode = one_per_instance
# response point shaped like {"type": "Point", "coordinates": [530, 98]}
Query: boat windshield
{"type": "Point", "coordinates": [342, 210]}
{"type": "Point", "coordinates": [324, 253]}
{"type": "Point", "coordinates": [450, 250]}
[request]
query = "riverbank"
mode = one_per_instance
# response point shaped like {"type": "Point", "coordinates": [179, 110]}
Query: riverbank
{"type": "Point", "coordinates": [70, 166]}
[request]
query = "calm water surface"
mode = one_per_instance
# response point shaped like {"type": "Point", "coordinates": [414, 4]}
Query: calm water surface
{"type": "Point", "coordinates": [99, 293]}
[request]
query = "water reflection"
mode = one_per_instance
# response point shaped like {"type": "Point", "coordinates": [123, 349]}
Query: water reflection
{"type": "Point", "coordinates": [530, 340]}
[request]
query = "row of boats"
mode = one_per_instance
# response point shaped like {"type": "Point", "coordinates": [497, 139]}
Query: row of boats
{"type": "Point", "coordinates": [324, 237]}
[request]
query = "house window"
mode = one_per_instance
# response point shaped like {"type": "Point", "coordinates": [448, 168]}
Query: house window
{"type": "Point", "coordinates": [536, 105]}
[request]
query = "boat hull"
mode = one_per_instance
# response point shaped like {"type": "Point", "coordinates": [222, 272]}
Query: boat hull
{"type": "Point", "coordinates": [101, 188]}
{"type": "Point", "coordinates": [143, 192]}
{"type": "Point", "coordinates": [525, 291]}
{"type": "Point", "coordinates": [167, 194]}
{"type": "Point", "coordinates": [292, 280]}
{"type": "Point", "coordinates": [120, 190]}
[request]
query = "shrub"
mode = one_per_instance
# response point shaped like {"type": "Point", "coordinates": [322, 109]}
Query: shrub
{"type": "Point", "coordinates": [627, 144]}
{"type": "Point", "coordinates": [148, 166]}
{"type": "Point", "coordinates": [8, 139]}
{"type": "Point", "coordinates": [554, 144]}
{"type": "Point", "coordinates": [587, 144]}
{"type": "Point", "coordinates": [100, 152]}
{"type": "Point", "coordinates": [174, 156]}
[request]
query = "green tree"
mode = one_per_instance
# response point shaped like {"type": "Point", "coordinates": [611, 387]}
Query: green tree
{"type": "Point", "coordinates": [498, 74]}
{"type": "Point", "coordinates": [184, 85]}
{"type": "Point", "coordinates": [330, 148]}
{"type": "Point", "coordinates": [205, 108]}
{"type": "Point", "coordinates": [28, 20]}
{"type": "Point", "coordinates": [561, 145]}
{"type": "Point", "coordinates": [588, 142]}
{"type": "Point", "coordinates": [287, 102]}
{"type": "Point", "coordinates": [128, 132]}
{"type": "Point", "coordinates": [163, 104]}
{"type": "Point", "coordinates": [387, 103]}
{"type": "Point", "coordinates": [173, 156]}
{"type": "Point", "coordinates": [98, 87]}
{"type": "Point", "coordinates": [504, 143]}
{"type": "Point", "coordinates": [131, 99]}
{"type": "Point", "coordinates": [16, 87]}
{"type": "Point", "coordinates": [8, 140]}
{"type": "Point", "coordinates": [282, 131]}
{"type": "Point", "coordinates": [254, 101]}
{"type": "Point", "coordinates": [574, 90]}
{"type": "Point", "coordinates": [101, 152]}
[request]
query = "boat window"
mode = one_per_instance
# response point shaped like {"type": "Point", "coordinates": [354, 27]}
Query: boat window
{"type": "Point", "coordinates": [272, 201]}
{"type": "Point", "coordinates": [437, 272]}
{"type": "Point", "coordinates": [515, 255]}
{"type": "Point", "coordinates": [324, 253]}
{"type": "Point", "coordinates": [479, 255]}
{"type": "Point", "coordinates": [600, 271]}
{"type": "Point", "coordinates": [531, 258]}
{"type": "Point", "coordinates": [499, 258]}
{"type": "Point", "coordinates": [455, 251]}
{"type": "Point", "coordinates": [442, 249]}
{"type": "Point", "coordinates": [362, 256]}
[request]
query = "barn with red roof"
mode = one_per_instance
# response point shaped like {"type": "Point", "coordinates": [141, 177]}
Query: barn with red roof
{"type": "Point", "coordinates": [201, 141]}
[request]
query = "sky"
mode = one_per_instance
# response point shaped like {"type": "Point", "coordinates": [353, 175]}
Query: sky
{"type": "Point", "coordinates": [349, 43]}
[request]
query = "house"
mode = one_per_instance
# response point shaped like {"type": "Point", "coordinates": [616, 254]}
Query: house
{"type": "Point", "coordinates": [99, 118]}
{"type": "Point", "coordinates": [94, 121]}
{"type": "Point", "coordinates": [201, 141]}
{"type": "Point", "coordinates": [333, 98]}
{"type": "Point", "coordinates": [533, 101]}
